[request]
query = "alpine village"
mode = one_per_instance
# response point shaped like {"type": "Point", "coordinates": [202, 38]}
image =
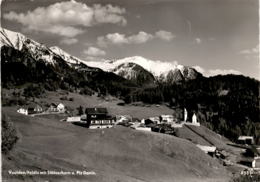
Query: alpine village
{"type": "Point", "coordinates": [124, 124]}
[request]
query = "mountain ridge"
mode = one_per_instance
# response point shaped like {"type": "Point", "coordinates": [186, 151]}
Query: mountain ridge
{"type": "Point", "coordinates": [161, 71]}
{"type": "Point", "coordinates": [149, 68]}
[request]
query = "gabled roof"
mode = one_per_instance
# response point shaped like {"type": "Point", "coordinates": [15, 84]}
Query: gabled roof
{"type": "Point", "coordinates": [245, 138]}
{"type": "Point", "coordinates": [96, 110]}
{"type": "Point", "coordinates": [207, 148]}
{"type": "Point", "coordinates": [53, 104]}
{"type": "Point", "coordinates": [60, 104]}
{"type": "Point", "coordinates": [34, 106]}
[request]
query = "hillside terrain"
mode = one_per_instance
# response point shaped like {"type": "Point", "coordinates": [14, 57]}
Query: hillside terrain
{"type": "Point", "coordinates": [117, 154]}
{"type": "Point", "coordinates": [229, 105]}
{"type": "Point", "coordinates": [35, 73]}
{"type": "Point", "coordinates": [226, 104]}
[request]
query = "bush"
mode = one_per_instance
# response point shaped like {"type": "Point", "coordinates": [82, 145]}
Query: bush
{"type": "Point", "coordinates": [121, 103]}
{"type": "Point", "coordinates": [34, 91]}
{"type": "Point", "coordinates": [64, 98]}
{"type": "Point", "coordinates": [13, 102]}
{"type": "Point", "coordinates": [9, 135]}
{"type": "Point", "coordinates": [86, 91]}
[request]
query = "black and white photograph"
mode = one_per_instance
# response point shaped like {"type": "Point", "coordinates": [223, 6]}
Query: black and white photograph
{"type": "Point", "coordinates": [130, 91]}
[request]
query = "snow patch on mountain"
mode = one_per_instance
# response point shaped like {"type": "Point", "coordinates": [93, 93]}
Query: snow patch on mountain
{"type": "Point", "coordinates": [20, 42]}
{"type": "Point", "coordinates": [126, 70]}
{"type": "Point", "coordinates": [155, 67]}
{"type": "Point", "coordinates": [12, 39]}
{"type": "Point", "coordinates": [66, 56]}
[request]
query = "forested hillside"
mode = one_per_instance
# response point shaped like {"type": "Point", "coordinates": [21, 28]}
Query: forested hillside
{"type": "Point", "coordinates": [20, 69]}
{"type": "Point", "coordinates": [227, 104]}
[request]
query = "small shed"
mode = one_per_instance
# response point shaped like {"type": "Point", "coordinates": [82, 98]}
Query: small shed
{"type": "Point", "coordinates": [73, 119]}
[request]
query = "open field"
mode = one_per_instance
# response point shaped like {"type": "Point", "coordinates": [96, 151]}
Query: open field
{"type": "Point", "coordinates": [138, 111]}
{"type": "Point", "coordinates": [116, 154]}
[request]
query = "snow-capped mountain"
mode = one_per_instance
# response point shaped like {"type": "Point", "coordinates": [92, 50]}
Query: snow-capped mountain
{"type": "Point", "coordinates": [134, 72]}
{"type": "Point", "coordinates": [12, 39]}
{"type": "Point", "coordinates": [136, 68]}
{"type": "Point", "coordinates": [66, 56]}
{"type": "Point", "coordinates": [40, 52]}
{"type": "Point", "coordinates": [20, 42]}
{"type": "Point", "coordinates": [162, 71]}
{"type": "Point", "coordinates": [25, 62]}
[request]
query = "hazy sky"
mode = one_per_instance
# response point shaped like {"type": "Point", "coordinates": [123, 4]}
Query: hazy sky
{"type": "Point", "coordinates": [215, 36]}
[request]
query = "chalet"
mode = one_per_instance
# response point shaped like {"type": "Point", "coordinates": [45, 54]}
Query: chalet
{"type": "Point", "coordinates": [61, 107]}
{"type": "Point", "coordinates": [31, 109]}
{"type": "Point", "coordinates": [249, 140]}
{"type": "Point", "coordinates": [99, 118]}
{"type": "Point", "coordinates": [166, 118]}
{"type": "Point", "coordinates": [52, 108]}
{"type": "Point", "coordinates": [56, 107]}
{"type": "Point", "coordinates": [155, 119]}
{"type": "Point", "coordinates": [23, 110]}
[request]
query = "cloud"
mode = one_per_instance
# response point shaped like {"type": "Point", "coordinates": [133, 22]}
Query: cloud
{"type": "Point", "coordinates": [222, 72]}
{"type": "Point", "coordinates": [252, 53]}
{"type": "Point", "coordinates": [198, 40]}
{"type": "Point", "coordinates": [164, 35]}
{"type": "Point", "coordinates": [94, 52]}
{"type": "Point", "coordinates": [115, 38]}
{"type": "Point", "coordinates": [254, 50]}
{"type": "Point", "coordinates": [214, 72]}
{"type": "Point", "coordinates": [212, 39]}
{"type": "Point", "coordinates": [118, 39]}
{"type": "Point", "coordinates": [90, 59]}
{"type": "Point", "coordinates": [68, 18]}
{"type": "Point", "coordinates": [139, 38]}
{"type": "Point", "coordinates": [69, 41]}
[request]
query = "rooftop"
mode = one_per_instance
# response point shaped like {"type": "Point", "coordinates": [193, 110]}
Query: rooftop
{"type": "Point", "coordinates": [207, 148]}
{"type": "Point", "coordinates": [96, 110]}
{"type": "Point", "coordinates": [245, 137]}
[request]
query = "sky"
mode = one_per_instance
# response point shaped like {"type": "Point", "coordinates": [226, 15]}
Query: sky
{"type": "Point", "coordinates": [213, 36]}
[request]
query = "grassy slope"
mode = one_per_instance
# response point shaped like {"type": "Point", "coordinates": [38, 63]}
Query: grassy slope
{"type": "Point", "coordinates": [117, 154]}
{"type": "Point", "coordinates": [111, 104]}
{"type": "Point", "coordinates": [211, 137]}
{"type": "Point", "coordinates": [233, 154]}
{"type": "Point", "coordinates": [202, 132]}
